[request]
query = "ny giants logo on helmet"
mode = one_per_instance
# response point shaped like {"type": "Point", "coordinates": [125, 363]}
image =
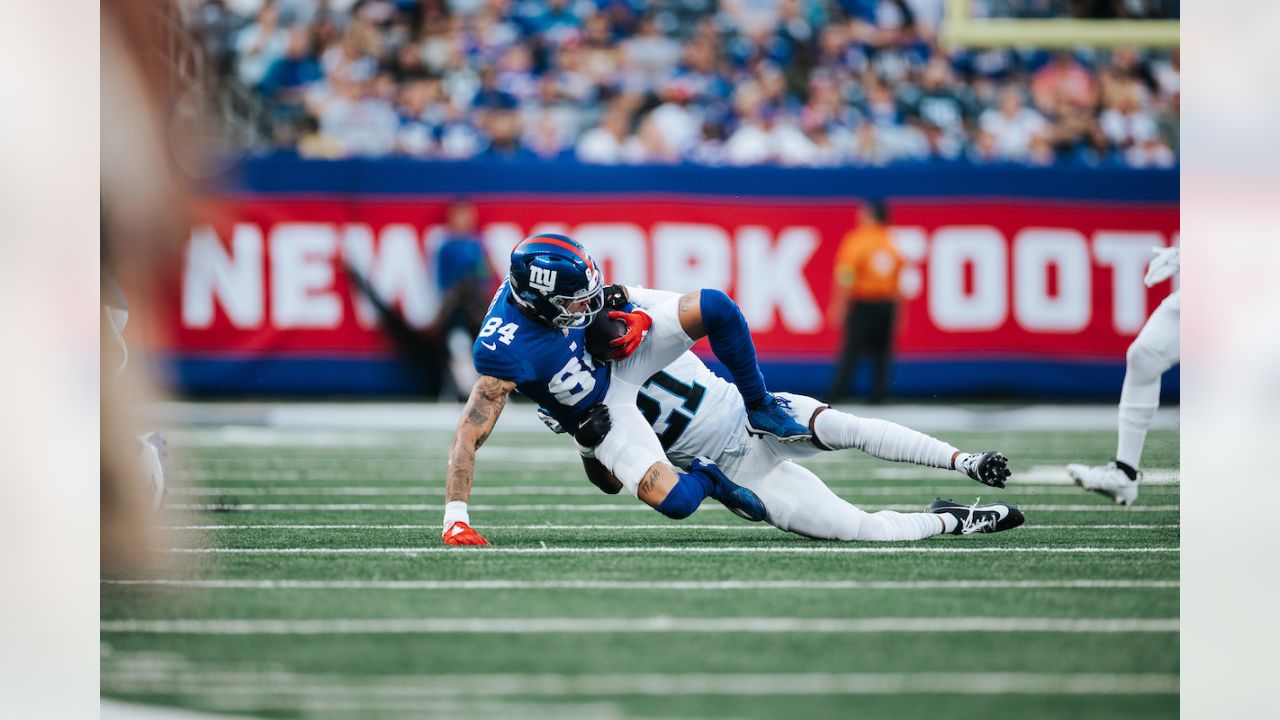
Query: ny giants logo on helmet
{"type": "Point", "coordinates": [542, 278]}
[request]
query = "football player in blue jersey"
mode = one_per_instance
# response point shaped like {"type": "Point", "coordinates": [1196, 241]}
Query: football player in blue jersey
{"type": "Point", "coordinates": [533, 340]}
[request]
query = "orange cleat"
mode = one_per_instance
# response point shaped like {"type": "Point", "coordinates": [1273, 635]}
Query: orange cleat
{"type": "Point", "coordinates": [460, 533]}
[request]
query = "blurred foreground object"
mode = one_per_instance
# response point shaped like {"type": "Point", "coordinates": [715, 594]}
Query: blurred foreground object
{"type": "Point", "coordinates": [150, 116]}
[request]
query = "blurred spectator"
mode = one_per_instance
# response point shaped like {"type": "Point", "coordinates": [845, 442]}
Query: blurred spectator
{"type": "Point", "coordinates": [313, 143]}
{"type": "Point", "coordinates": [503, 126]}
{"type": "Point", "coordinates": [793, 82]}
{"type": "Point", "coordinates": [259, 45]}
{"type": "Point", "coordinates": [603, 143]}
{"type": "Point", "coordinates": [364, 123]}
{"type": "Point", "coordinates": [291, 73]}
{"type": "Point", "coordinates": [1063, 77]}
{"type": "Point", "coordinates": [1012, 125]}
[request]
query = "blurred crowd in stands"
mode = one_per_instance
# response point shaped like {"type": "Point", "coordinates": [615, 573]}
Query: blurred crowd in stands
{"type": "Point", "coordinates": [719, 82]}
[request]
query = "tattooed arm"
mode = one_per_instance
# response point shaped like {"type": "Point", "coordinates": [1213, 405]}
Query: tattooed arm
{"type": "Point", "coordinates": [488, 397]}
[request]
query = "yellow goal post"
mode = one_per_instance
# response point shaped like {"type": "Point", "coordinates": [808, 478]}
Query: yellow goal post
{"type": "Point", "coordinates": [961, 30]}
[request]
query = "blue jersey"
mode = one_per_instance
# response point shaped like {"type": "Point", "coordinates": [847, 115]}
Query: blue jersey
{"type": "Point", "coordinates": [550, 366]}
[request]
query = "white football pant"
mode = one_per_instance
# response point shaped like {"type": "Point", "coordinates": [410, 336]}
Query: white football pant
{"type": "Point", "coordinates": [1155, 350]}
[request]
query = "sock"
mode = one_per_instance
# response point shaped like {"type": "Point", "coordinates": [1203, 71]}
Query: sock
{"type": "Point", "coordinates": [731, 342]}
{"type": "Point", "coordinates": [455, 511]}
{"type": "Point", "coordinates": [887, 525]}
{"type": "Point", "coordinates": [1146, 360]}
{"type": "Point", "coordinates": [951, 522]}
{"type": "Point", "coordinates": [880, 438]}
{"type": "Point", "coordinates": [686, 496]}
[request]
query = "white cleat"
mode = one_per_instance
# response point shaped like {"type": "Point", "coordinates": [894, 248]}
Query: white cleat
{"type": "Point", "coordinates": [1106, 480]}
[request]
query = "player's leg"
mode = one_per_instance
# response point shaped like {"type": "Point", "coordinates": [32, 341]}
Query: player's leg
{"type": "Point", "coordinates": [837, 430]}
{"type": "Point", "coordinates": [799, 502]}
{"type": "Point", "coordinates": [1153, 352]}
{"type": "Point", "coordinates": [632, 452]}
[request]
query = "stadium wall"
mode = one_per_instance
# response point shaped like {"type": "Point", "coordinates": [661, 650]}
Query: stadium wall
{"type": "Point", "coordinates": [1020, 282]}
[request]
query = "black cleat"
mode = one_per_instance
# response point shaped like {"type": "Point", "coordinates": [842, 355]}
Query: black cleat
{"type": "Point", "coordinates": [989, 468]}
{"type": "Point", "coordinates": [992, 517]}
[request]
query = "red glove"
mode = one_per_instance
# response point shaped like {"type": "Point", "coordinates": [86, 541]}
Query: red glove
{"type": "Point", "coordinates": [638, 323]}
{"type": "Point", "coordinates": [460, 533]}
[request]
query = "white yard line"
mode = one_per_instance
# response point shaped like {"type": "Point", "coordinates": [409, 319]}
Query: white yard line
{"type": "Point", "coordinates": [417, 490]}
{"type": "Point", "coordinates": [599, 507]}
{"type": "Point", "coordinates": [279, 683]}
{"type": "Point", "coordinates": [667, 526]}
{"type": "Point", "coordinates": [651, 584]}
{"type": "Point", "coordinates": [308, 418]}
{"type": "Point", "coordinates": [736, 626]}
{"type": "Point", "coordinates": [679, 550]}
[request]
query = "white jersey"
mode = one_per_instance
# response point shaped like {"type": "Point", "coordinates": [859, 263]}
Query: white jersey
{"type": "Point", "coordinates": [694, 412]}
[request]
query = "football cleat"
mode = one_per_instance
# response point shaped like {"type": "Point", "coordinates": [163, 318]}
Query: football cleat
{"type": "Point", "coordinates": [741, 502]}
{"type": "Point", "coordinates": [1106, 480]}
{"type": "Point", "coordinates": [773, 416]}
{"type": "Point", "coordinates": [992, 517]}
{"type": "Point", "coordinates": [460, 533]}
{"type": "Point", "coordinates": [989, 468]}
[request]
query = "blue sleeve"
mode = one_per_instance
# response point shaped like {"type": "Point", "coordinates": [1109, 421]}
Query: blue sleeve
{"type": "Point", "coordinates": [497, 360]}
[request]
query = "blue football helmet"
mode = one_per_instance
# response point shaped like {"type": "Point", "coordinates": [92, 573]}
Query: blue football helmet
{"type": "Point", "coordinates": [553, 278]}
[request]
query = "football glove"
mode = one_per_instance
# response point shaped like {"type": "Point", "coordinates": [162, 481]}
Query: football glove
{"type": "Point", "coordinates": [615, 296]}
{"type": "Point", "coordinates": [638, 323]}
{"type": "Point", "coordinates": [1162, 266]}
{"type": "Point", "coordinates": [552, 424]}
{"type": "Point", "coordinates": [460, 533]}
{"type": "Point", "coordinates": [595, 425]}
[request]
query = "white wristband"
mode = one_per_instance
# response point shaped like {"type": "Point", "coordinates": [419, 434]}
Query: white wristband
{"type": "Point", "coordinates": [455, 511]}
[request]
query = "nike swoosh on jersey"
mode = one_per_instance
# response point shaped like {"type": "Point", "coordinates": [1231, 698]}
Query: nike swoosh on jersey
{"type": "Point", "coordinates": [491, 347]}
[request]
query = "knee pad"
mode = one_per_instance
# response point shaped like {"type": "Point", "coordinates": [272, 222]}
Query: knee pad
{"type": "Point", "coordinates": [1144, 361]}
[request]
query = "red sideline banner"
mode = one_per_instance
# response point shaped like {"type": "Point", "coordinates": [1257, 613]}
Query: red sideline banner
{"type": "Point", "coordinates": [1025, 279]}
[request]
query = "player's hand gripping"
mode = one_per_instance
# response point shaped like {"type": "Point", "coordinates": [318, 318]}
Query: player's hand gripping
{"type": "Point", "coordinates": [1162, 267]}
{"type": "Point", "coordinates": [460, 533]}
{"type": "Point", "coordinates": [638, 323]}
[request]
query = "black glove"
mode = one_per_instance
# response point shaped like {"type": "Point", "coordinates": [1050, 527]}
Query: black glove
{"type": "Point", "coordinates": [594, 427]}
{"type": "Point", "coordinates": [615, 296]}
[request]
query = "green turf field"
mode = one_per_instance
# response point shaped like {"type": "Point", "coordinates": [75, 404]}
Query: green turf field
{"type": "Point", "coordinates": [309, 581]}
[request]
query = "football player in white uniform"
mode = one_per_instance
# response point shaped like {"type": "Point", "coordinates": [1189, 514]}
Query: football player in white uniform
{"type": "Point", "coordinates": [698, 415]}
{"type": "Point", "coordinates": [1153, 352]}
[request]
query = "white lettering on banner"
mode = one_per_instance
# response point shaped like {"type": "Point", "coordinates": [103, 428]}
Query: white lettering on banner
{"type": "Point", "coordinates": [1127, 254]}
{"type": "Point", "coordinates": [1035, 251]}
{"type": "Point", "coordinates": [951, 307]}
{"type": "Point", "coordinates": [302, 293]}
{"type": "Point", "coordinates": [771, 276]}
{"type": "Point", "coordinates": [233, 281]}
{"type": "Point", "coordinates": [913, 244]}
{"type": "Point", "coordinates": [395, 269]}
{"type": "Point", "coordinates": [690, 256]}
{"type": "Point", "coordinates": [619, 249]}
